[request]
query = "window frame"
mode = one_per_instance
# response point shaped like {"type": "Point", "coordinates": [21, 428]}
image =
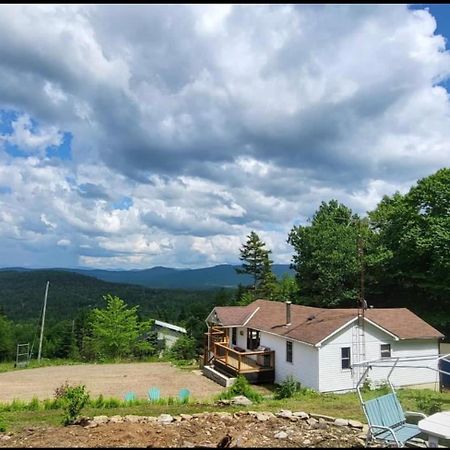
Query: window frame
{"type": "Point", "coordinates": [289, 351]}
{"type": "Point", "coordinates": [253, 339]}
{"type": "Point", "coordinates": [234, 336]}
{"type": "Point", "coordinates": [346, 359]}
{"type": "Point", "coordinates": [384, 350]}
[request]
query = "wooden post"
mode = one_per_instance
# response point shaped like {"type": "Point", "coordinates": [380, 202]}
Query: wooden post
{"type": "Point", "coordinates": [239, 363]}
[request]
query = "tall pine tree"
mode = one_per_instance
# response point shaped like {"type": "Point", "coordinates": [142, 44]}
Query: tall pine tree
{"type": "Point", "coordinates": [256, 262]}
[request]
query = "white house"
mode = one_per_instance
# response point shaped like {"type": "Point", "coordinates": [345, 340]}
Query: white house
{"type": "Point", "coordinates": [168, 332]}
{"type": "Point", "coordinates": [266, 341]}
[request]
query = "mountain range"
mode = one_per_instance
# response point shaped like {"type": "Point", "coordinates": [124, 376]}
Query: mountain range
{"type": "Point", "coordinates": [223, 275]}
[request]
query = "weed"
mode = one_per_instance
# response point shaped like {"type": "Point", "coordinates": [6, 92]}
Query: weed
{"type": "Point", "coordinates": [287, 389]}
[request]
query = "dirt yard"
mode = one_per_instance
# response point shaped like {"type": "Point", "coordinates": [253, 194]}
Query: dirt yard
{"type": "Point", "coordinates": [111, 380]}
{"type": "Point", "coordinates": [201, 431]}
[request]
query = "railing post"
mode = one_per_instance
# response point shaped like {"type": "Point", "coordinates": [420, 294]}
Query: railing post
{"type": "Point", "coordinates": [226, 357]}
{"type": "Point", "coordinates": [239, 363]}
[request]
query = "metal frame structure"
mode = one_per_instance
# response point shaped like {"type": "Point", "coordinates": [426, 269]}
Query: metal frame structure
{"type": "Point", "coordinates": [396, 362]}
{"type": "Point", "coordinates": [22, 350]}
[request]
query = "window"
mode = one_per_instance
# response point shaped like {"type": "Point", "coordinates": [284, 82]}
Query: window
{"type": "Point", "coordinates": [385, 350]}
{"type": "Point", "coordinates": [288, 351]}
{"type": "Point", "coordinates": [234, 336]}
{"type": "Point", "coordinates": [345, 357]}
{"type": "Point", "coordinates": [252, 339]}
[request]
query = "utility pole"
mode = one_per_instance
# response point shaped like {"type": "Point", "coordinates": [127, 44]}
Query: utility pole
{"type": "Point", "coordinates": [43, 321]}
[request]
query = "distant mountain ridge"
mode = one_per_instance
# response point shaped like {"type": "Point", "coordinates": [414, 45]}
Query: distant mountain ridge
{"type": "Point", "coordinates": [223, 275]}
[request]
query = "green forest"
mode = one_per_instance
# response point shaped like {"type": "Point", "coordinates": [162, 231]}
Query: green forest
{"type": "Point", "coordinates": [398, 255]}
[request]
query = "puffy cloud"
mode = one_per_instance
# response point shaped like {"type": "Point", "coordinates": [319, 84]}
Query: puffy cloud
{"type": "Point", "coordinates": [192, 125]}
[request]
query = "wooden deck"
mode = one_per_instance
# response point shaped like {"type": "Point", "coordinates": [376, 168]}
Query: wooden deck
{"type": "Point", "coordinates": [257, 366]}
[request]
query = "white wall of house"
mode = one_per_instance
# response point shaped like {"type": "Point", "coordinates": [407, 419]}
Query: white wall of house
{"type": "Point", "coordinates": [305, 362]}
{"type": "Point", "coordinates": [334, 378]}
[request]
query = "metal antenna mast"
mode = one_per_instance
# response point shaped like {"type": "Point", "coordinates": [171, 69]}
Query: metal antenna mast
{"type": "Point", "coordinates": [43, 321]}
{"type": "Point", "coordinates": [359, 344]}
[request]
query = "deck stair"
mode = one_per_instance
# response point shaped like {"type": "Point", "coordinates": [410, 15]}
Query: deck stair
{"type": "Point", "coordinates": [218, 377]}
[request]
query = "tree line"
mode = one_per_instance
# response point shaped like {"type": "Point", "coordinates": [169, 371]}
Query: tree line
{"type": "Point", "coordinates": [400, 251]}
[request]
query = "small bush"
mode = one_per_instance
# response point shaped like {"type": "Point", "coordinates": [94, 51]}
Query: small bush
{"type": "Point", "coordinates": [60, 391]}
{"type": "Point", "coordinates": [428, 403]}
{"type": "Point", "coordinates": [74, 399]}
{"type": "Point", "coordinates": [241, 387]}
{"type": "Point", "coordinates": [287, 389]}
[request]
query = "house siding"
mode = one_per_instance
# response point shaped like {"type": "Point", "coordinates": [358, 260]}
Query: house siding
{"type": "Point", "coordinates": [334, 378]}
{"type": "Point", "coordinates": [305, 364]}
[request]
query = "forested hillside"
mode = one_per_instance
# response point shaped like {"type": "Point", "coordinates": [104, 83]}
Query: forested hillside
{"type": "Point", "coordinates": [22, 295]}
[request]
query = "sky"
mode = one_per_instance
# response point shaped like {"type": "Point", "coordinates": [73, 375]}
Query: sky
{"type": "Point", "coordinates": [134, 136]}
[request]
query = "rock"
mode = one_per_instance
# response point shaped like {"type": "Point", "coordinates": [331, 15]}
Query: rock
{"type": "Point", "coordinates": [323, 416]}
{"type": "Point", "coordinates": [132, 418]}
{"type": "Point", "coordinates": [187, 444]}
{"type": "Point", "coordinates": [241, 400]}
{"type": "Point", "coordinates": [5, 438]}
{"type": "Point", "coordinates": [165, 419]}
{"type": "Point", "coordinates": [285, 414]}
{"type": "Point", "coordinates": [263, 416]}
{"type": "Point", "coordinates": [355, 424]}
{"type": "Point", "coordinates": [91, 425]}
{"type": "Point", "coordinates": [341, 422]}
{"type": "Point", "coordinates": [100, 419]}
{"type": "Point", "coordinates": [294, 418]}
{"type": "Point", "coordinates": [185, 416]}
{"type": "Point", "coordinates": [312, 422]}
{"type": "Point", "coordinates": [116, 419]}
{"type": "Point", "coordinates": [361, 442]}
{"type": "Point", "coordinates": [306, 442]}
{"type": "Point", "coordinates": [281, 435]}
{"type": "Point", "coordinates": [301, 414]}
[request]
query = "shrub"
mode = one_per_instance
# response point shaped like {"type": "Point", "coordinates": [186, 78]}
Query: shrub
{"type": "Point", "coordinates": [288, 388]}
{"type": "Point", "coordinates": [74, 399]}
{"type": "Point", "coordinates": [428, 403]}
{"type": "Point", "coordinates": [241, 387]}
{"type": "Point", "coordinates": [60, 391]}
{"type": "Point", "coordinates": [2, 425]}
{"type": "Point", "coordinates": [184, 349]}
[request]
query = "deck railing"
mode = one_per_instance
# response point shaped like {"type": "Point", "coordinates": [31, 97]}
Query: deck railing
{"type": "Point", "coordinates": [242, 362]}
{"type": "Point", "coordinates": [214, 335]}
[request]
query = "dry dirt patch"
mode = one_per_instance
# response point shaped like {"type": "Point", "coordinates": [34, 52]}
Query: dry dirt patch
{"type": "Point", "coordinates": [239, 430]}
{"type": "Point", "coordinates": [111, 380]}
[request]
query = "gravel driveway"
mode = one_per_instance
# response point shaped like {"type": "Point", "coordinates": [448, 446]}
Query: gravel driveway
{"type": "Point", "coordinates": [111, 380]}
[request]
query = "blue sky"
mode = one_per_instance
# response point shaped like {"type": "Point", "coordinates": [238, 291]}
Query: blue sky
{"type": "Point", "coordinates": [133, 136]}
{"type": "Point", "coordinates": [441, 13]}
